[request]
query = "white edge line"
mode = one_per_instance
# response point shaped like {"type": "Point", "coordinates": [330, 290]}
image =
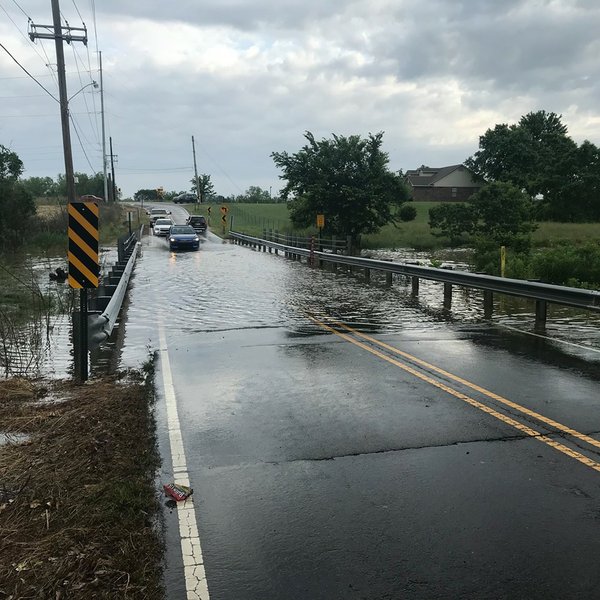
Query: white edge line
{"type": "Point", "coordinates": [552, 339]}
{"type": "Point", "coordinates": [191, 550]}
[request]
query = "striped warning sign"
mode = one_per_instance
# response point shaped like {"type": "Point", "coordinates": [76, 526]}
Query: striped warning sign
{"type": "Point", "coordinates": [83, 245]}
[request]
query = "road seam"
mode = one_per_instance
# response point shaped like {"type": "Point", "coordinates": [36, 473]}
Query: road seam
{"type": "Point", "coordinates": [193, 563]}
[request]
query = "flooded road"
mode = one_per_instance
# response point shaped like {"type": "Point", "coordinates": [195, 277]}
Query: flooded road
{"type": "Point", "coordinates": [347, 440]}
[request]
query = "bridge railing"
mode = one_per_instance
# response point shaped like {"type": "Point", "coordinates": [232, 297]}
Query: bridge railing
{"type": "Point", "coordinates": [112, 291]}
{"type": "Point", "coordinates": [332, 244]}
{"type": "Point", "coordinates": [541, 293]}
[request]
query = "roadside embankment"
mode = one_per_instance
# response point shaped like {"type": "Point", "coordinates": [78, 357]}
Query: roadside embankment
{"type": "Point", "coordinates": [78, 503]}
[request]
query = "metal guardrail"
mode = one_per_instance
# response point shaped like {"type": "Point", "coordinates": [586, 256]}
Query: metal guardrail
{"type": "Point", "coordinates": [332, 244]}
{"type": "Point", "coordinates": [541, 292]}
{"type": "Point", "coordinates": [100, 326]}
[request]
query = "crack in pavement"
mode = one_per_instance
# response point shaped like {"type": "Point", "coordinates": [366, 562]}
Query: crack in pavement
{"type": "Point", "coordinates": [505, 438]}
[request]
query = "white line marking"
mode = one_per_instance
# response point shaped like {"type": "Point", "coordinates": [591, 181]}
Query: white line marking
{"type": "Point", "coordinates": [552, 339]}
{"type": "Point", "coordinates": [195, 577]}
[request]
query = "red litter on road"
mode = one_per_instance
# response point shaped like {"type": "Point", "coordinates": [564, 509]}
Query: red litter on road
{"type": "Point", "coordinates": [178, 492]}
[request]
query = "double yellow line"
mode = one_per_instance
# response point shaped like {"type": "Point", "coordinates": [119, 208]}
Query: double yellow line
{"type": "Point", "coordinates": [335, 327]}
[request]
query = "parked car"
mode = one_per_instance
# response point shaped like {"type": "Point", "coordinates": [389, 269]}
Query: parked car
{"type": "Point", "coordinates": [162, 226]}
{"type": "Point", "coordinates": [198, 222]}
{"type": "Point", "coordinates": [185, 198]}
{"type": "Point", "coordinates": [183, 236]}
{"type": "Point", "coordinates": [158, 213]}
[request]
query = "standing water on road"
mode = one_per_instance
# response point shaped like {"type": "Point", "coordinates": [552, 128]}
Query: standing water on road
{"type": "Point", "coordinates": [225, 287]}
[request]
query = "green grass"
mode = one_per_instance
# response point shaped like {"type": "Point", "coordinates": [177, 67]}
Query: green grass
{"type": "Point", "coordinates": [253, 218]}
{"type": "Point", "coordinates": [552, 234]}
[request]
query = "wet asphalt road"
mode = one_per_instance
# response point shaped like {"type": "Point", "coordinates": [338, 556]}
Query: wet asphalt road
{"type": "Point", "coordinates": [329, 467]}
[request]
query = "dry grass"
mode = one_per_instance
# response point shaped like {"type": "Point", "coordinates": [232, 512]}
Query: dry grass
{"type": "Point", "coordinates": [78, 505]}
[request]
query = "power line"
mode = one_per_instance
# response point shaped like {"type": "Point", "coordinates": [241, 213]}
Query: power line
{"type": "Point", "coordinates": [29, 42]}
{"type": "Point", "coordinates": [81, 144]}
{"type": "Point", "coordinates": [82, 85]}
{"type": "Point", "coordinates": [75, 5]}
{"type": "Point", "coordinates": [19, 7]}
{"type": "Point", "coordinates": [28, 73]}
{"type": "Point", "coordinates": [51, 74]}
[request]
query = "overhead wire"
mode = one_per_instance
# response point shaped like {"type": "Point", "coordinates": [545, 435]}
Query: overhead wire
{"type": "Point", "coordinates": [28, 73]}
{"type": "Point", "coordinates": [83, 94]}
{"type": "Point", "coordinates": [30, 43]}
{"type": "Point", "coordinates": [81, 144]}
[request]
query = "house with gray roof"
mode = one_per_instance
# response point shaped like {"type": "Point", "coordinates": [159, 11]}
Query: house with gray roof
{"type": "Point", "coordinates": [455, 183]}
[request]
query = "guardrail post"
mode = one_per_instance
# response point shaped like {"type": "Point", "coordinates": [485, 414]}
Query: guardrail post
{"type": "Point", "coordinates": [367, 274]}
{"type": "Point", "coordinates": [415, 286]}
{"type": "Point", "coordinates": [488, 304]}
{"type": "Point", "coordinates": [388, 278]}
{"type": "Point", "coordinates": [349, 245]}
{"type": "Point", "coordinates": [447, 295]}
{"type": "Point", "coordinates": [541, 313]}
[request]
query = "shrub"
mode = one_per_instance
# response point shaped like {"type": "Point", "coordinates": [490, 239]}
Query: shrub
{"type": "Point", "coordinates": [407, 213]}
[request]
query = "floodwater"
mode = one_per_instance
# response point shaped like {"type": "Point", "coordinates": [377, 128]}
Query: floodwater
{"type": "Point", "coordinates": [224, 287]}
{"type": "Point", "coordinates": [36, 340]}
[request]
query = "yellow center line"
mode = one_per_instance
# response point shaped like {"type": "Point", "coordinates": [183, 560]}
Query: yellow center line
{"type": "Point", "coordinates": [531, 413]}
{"type": "Point", "coordinates": [471, 401]}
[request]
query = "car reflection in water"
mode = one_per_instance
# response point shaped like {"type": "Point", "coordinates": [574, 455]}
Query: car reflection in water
{"type": "Point", "coordinates": [183, 237]}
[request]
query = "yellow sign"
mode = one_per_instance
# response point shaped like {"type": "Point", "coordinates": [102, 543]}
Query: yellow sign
{"type": "Point", "coordinates": [224, 210]}
{"type": "Point", "coordinates": [320, 221]}
{"type": "Point", "coordinates": [84, 267]}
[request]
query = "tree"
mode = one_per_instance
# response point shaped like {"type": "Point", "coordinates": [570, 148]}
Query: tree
{"type": "Point", "coordinates": [345, 178]}
{"type": "Point", "coordinates": [86, 184]}
{"type": "Point", "coordinates": [207, 189]}
{"type": "Point", "coordinates": [254, 195]}
{"type": "Point", "coordinates": [453, 220]}
{"type": "Point", "coordinates": [144, 195]}
{"type": "Point", "coordinates": [538, 156]}
{"type": "Point", "coordinates": [580, 192]}
{"type": "Point", "coordinates": [499, 214]}
{"type": "Point", "coordinates": [16, 203]}
{"type": "Point", "coordinates": [39, 187]}
{"type": "Point", "coordinates": [504, 214]}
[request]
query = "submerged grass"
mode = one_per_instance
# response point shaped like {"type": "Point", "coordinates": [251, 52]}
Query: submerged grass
{"type": "Point", "coordinates": [78, 504]}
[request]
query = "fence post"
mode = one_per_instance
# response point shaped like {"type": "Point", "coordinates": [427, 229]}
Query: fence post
{"type": "Point", "coordinates": [541, 312]}
{"type": "Point", "coordinates": [447, 295]}
{"type": "Point", "coordinates": [488, 304]}
{"type": "Point", "coordinates": [415, 286]}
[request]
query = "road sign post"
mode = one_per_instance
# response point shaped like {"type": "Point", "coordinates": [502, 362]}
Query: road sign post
{"type": "Point", "coordinates": [224, 211]}
{"type": "Point", "coordinates": [83, 271]}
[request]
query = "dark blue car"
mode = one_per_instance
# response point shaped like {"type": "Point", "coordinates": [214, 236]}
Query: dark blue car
{"type": "Point", "coordinates": [183, 237]}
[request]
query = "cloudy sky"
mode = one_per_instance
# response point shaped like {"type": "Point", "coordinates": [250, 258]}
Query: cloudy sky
{"type": "Point", "coordinates": [249, 77]}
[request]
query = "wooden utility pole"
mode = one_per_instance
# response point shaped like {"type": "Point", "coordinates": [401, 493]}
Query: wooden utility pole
{"type": "Point", "coordinates": [196, 172]}
{"type": "Point", "coordinates": [104, 169]}
{"type": "Point", "coordinates": [112, 170]}
{"type": "Point", "coordinates": [59, 33]}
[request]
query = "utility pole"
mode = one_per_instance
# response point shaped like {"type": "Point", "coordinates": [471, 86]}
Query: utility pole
{"type": "Point", "coordinates": [56, 33]}
{"type": "Point", "coordinates": [103, 132]}
{"type": "Point", "coordinates": [196, 171]}
{"type": "Point", "coordinates": [112, 170]}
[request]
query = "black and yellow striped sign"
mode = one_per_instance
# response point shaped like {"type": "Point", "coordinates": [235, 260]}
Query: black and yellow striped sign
{"type": "Point", "coordinates": [83, 245]}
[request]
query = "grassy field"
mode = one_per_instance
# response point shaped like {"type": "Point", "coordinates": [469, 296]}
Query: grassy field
{"type": "Point", "coordinates": [49, 233]}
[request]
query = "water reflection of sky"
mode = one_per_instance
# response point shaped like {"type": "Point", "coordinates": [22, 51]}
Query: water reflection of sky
{"type": "Point", "coordinates": [226, 287]}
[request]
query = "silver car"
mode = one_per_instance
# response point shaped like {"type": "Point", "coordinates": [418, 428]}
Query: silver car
{"type": "Point", "coordinates": [162, 226]}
